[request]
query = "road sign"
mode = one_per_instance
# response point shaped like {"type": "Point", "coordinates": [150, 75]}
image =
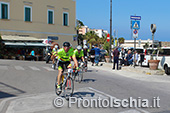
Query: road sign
{"type": "Point", "coordinates": [84, 42]}
{"type": "Point", "coordinates": [135, 17]}
{"type": "Point", "coordinates": [135, 33]}
{"type": "Point", "coordinates": [108, 37]}
{"type": "Point", "coordinates": [135, 24]}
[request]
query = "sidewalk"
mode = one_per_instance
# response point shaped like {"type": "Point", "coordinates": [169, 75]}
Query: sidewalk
{"type": "Point", "coordinates": [138, 73]}
{"type": "Point", "coordinates": [137, 69]}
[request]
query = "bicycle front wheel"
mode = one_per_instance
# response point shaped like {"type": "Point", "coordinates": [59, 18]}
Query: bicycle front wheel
{"type": "Point", "coordinates": [68, 87]}
{"type": "Point", "coordinates": [80, 76]}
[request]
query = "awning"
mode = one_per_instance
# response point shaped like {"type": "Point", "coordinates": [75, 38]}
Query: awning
{"type": "Point", "coordinates": [19, 38]}
{"type": "Point", "coordinates": [35, 44]}
{"type": "Point", "coordinates": [14, 44]}
{"type": "Point", "coordinates": [24, 44]}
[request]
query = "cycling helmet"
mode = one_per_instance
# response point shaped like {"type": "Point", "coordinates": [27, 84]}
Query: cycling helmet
{"type": "Point", "coordinates": [66, 44]}
{"type": "Point", "coordinates": [85, 47]}
{"type": "Point", "coordinates": [79, 47]}
{"type": "Point", "coordinates": [56, 46]}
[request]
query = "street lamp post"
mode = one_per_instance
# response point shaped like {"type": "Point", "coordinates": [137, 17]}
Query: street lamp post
{"type": "Point", "coordinates": [110, 28]}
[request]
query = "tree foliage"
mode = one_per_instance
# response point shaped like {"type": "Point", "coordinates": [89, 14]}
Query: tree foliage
{"type": "Point", "coordinates": [121, 40]}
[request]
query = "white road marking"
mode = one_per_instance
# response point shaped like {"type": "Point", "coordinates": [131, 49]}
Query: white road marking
{"type": "Point", "coordinates": [130, 111]}
{"type": "Point", "coordinates": [19, 68]}
{"type": "Point", "coordinates": [4, 67]}
{"type": "Point", "coordinates": [34, 68]}
{"type": "Point", "coordinates": [48, 68]}
{"type": "Point", "coordinates": [42, 102]}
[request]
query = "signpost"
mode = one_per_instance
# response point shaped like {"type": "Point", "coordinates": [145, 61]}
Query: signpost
{"type": "Point", "coordinates": [135, 25]}
{"type": "Point", "coordinates": [135, 17]}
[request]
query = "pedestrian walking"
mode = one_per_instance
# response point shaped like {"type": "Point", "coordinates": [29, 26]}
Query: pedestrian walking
{"type": "Point", "coordinates": [129, 60]}
{"type": "Point", "coordinates": [92, 55]}
{"type": "Point", "coordinates": [135, 57]}
{"type": "Point", "coordinates": [122, 53]}
{"type": "Point", "coordinates": [97, 54]}
{"type": "Point", "coordinates": [116, 58]}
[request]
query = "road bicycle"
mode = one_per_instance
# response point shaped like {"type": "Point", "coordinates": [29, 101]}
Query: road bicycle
{"type": "Point", "coordinates": [78, 75]}
{"type": "Point", "coordinates": [67, 84]}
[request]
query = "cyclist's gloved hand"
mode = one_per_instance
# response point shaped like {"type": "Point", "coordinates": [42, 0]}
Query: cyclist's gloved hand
{"type": "Point", "coordinates": [77, 69]}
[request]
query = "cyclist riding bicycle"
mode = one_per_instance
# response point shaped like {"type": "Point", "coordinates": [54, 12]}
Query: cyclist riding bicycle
{"type": "Point", "coordinates": [54, 55]}
{"type": "Point", "coordinates": [64, 59]}
{"type": "Point", "coordinates": [79, 54]}
{"type": "Point", "coordinates": [86, 51]}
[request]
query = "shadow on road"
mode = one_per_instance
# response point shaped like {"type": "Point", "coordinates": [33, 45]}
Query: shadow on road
{"type": "Point", "coordinates": [8, 91]}
{"type": "Point", "coordinates": [88, 80]}
{"type": "Point", "coordinates": [5, 95]}
{"type": "Point", "coordinates": [83, 94]}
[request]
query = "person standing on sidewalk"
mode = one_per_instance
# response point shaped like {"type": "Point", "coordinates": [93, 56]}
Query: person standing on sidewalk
{"type": "Point", "coordinates": [116, 58]}
{"type": "Point", "coordinates": [122, 53]}
{"type": "Point", "coordinates": [97, 54]}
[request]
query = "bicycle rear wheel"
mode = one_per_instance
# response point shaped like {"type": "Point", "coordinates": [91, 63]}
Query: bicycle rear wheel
{"type": "Point", "coordinates": [68, 87]}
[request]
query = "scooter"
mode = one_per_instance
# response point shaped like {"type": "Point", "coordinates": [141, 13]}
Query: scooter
{"type": "Point", "coordinates": [48, 57]}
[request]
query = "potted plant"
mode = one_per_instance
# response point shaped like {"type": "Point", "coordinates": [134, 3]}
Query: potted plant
{"type": "Point", "coordinates": [153, 63]}
{"type": "Point", "coordinates": [107, 58]}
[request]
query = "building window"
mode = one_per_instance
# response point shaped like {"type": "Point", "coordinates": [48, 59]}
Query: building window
{"type": "Point", "coordinates": [28, 13]}
{"type": "Point", "coordinates": [4, 10]}
{"type": "Point", "coordinates": [50, 16]}
{"type": "Point", "coordinates": [65, 19]}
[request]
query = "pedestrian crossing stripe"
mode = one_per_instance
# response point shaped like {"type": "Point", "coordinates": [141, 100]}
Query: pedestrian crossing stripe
{"type": "Point", "coordinates": [34, 68]}
{"type": "Point", "coordinates": [19, 68]}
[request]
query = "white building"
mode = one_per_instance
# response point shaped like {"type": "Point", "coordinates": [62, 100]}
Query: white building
{"type": "Point", "coordinates": [100, 32]}
{"type": "Point", "coordinates": [83, 30]}
{"type": "Point", "coordinates": [139, 43]}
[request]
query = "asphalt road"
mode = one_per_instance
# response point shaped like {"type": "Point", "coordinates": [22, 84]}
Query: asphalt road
{"type": "Point", "coordinates": [28, 87]}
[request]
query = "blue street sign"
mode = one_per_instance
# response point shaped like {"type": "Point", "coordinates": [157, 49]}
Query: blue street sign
{"type": "Point", "coordinates": [135, 24]}
{"type": "Point", "coordinates": [135, 17]}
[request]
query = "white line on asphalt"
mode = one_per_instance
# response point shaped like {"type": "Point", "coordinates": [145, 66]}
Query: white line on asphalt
{"type": "Point", "coordinates": [90, 88]}
{"type": "Point", "coordinates": [3, 103]}
{"type": "Point", "coordinates": [34, 68]}
{"type": "Point", "coordinates": [19, 68]}
{"type": "Point", "coordinates": [48, 68]}
{"type": "Point", "coordinates": [4, 67]}
{"type": "Point", "coordinates": [130, 111]}
{"type": "Point", "coordinates": [95, 90]}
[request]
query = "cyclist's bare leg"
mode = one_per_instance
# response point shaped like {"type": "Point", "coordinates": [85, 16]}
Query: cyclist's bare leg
{"type": "Point", "coordinates": [59, 76]}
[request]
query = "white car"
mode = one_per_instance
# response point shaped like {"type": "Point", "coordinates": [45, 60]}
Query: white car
{"type": "Point", "coordinates": [147, 56]}
{"type": "Point", "coordinates": [164, 57]}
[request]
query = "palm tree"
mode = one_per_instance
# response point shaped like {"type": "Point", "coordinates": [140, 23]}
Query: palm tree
{"type": "Point", "coordinates": [121, 40]}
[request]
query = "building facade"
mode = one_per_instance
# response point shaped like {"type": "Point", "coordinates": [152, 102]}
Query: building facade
{"type": "Point", "coordinates": [42, 19]}
{"type": "Point", "coordinates": [100, 32]}
{"type": "Point", "coordinates": [139, 43]}
{"type": "Point", "coordinates": [83, 30]}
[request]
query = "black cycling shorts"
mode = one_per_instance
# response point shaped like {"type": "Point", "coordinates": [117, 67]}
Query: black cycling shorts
{"type": "Point", "coordinates": [63, 65]}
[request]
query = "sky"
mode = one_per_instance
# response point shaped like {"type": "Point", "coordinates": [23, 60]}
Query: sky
{"type": "Point", "coordinates": [96, 14]}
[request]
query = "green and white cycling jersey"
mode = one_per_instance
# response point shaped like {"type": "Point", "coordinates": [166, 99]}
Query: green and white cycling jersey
{"type": "Point", "coordinates": [63, 56]}
{"type": "Point", "coordinates": [77, 54]}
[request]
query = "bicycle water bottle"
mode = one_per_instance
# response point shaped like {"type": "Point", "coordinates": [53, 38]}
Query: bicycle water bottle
{"type": "Point", "coordinates": [62, 78]}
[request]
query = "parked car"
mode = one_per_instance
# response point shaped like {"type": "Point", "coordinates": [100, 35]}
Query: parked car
{"type": "Point", "coordinates": [164, 57]}
{"type": "Point", "coordinates": [146, 55]}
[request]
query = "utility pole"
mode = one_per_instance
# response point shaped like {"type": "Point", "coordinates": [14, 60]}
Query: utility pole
{"type": "Point", "coordinates": [110, 28]}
